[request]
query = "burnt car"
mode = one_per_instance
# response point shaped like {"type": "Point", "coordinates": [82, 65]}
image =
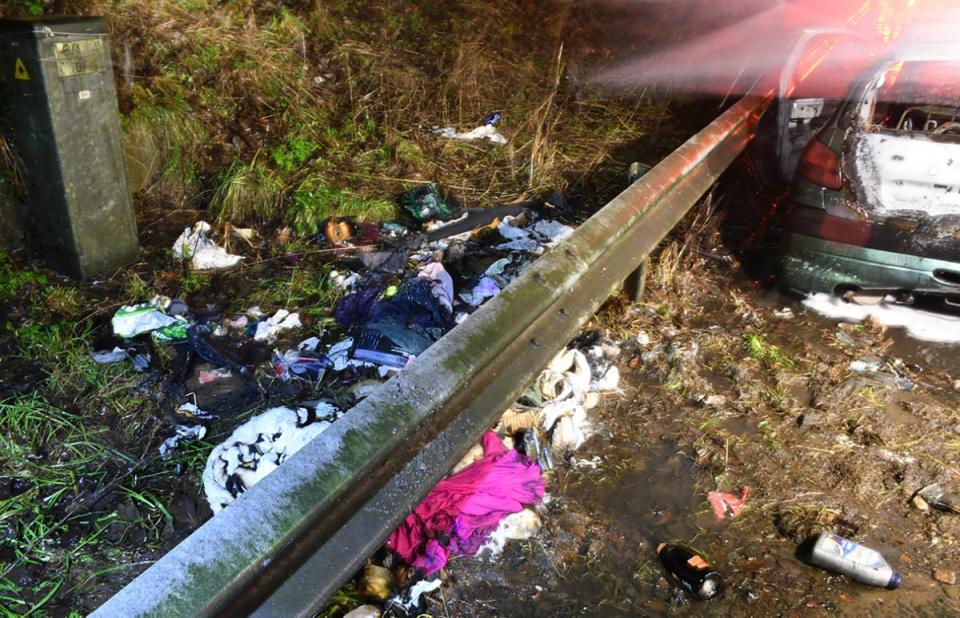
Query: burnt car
{"type": "Point", "coordinates": [874, 204]}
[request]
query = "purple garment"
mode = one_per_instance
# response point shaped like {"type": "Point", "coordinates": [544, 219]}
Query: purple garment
{"type": "Point", "coordinates": [459, 514]}
{"type": "Point", "coordinates": [354, 309]}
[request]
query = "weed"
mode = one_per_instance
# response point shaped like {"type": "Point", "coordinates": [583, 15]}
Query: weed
{"type": "Point", "coordinates": [292, 154]}
{"type": "Point", "coordinates": [308, 290]}
{"type": "Point", "coordinates": [247, 192]}
{"type": "Point", "coordinates": [192, 281]}
{"type": "Point", "coordinates": [314, 200]}
{"type": "Point", "coordinates": [767, 353]}
{"type": "Point", "coordinates": [163, 142]}
{"type": "Point", "coordinates": [13, 280]}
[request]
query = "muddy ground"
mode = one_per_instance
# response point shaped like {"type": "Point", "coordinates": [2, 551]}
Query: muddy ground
{"type": "Point", "coordinates": [820, 446]}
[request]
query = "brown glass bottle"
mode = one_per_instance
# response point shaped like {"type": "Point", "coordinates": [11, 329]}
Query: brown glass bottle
{"type": "Point", "coordinates": [690, 571]}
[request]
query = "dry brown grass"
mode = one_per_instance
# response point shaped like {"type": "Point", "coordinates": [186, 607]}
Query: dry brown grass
{"type": "Point", "coordinates": [205, 86]}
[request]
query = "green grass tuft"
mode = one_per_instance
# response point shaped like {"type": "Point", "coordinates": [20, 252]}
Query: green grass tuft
{"type": "Point", "coordinates": [247, 192]}
{"type": "Point", "coordinates": [314, 200]}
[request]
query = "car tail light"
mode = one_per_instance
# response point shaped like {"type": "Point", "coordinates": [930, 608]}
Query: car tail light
{"type": "Point", "coordinates": [820, 165]}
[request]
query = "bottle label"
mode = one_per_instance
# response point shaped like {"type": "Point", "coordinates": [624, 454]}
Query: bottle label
{"type": "Point", "coordinates": [698, 563]}
{"type": "Point", "coordinates": [855, 552]}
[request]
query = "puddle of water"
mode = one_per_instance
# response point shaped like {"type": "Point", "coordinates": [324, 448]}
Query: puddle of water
{"type": "Point", "coordinates": [652, 503]}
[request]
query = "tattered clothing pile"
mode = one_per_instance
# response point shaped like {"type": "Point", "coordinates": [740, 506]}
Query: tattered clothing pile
{"type": "Point", "coordinates": [461, 512]}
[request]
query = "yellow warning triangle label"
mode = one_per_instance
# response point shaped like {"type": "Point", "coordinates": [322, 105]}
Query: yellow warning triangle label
{"type": "Point", "coordinates": [20, 70]}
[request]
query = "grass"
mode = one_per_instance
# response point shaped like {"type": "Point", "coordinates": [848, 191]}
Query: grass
{"type": "Point", "coordinates": [314, 200]}
{"type": "Point", "coordinates": [307, 289]}
{"type": "Point", "coordinates": [767, 353]}
{"type": "Point", "coordinates": [53, 454]}
{"type": "Point", "coordinates": [247, 192]}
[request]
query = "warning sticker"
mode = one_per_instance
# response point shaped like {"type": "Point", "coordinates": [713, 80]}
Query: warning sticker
{"type": "Point", "coordinates": [20, 70]}
{"type": "Point", "coordinates": [79, 57]}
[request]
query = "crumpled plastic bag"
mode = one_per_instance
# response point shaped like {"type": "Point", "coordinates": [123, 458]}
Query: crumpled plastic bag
{"type": "Point", "coordinates": [182, 433]}
{"type": "Point", "coordinates": [282, 320]}
{"type": "Point", "coordinates": [486, 131]}
{"type": "Point", "coordinates": [726, 504]}
{"type": "Point", "coordinates": [202, 252]}
{"type": "Point", "coordinates": [132, 320]}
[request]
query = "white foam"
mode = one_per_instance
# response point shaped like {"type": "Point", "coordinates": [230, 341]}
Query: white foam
{"type": "Point", "coordinates": [919, 324]}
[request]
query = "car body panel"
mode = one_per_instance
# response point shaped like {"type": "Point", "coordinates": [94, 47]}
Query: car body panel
{"type": "Point", "coordinates": [895, 222]}
{"type": "Point", "coordinates": [814, 264]}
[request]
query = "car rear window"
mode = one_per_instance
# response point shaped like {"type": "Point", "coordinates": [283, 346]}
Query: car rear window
{"type": "Point", "coordinates": [918, 97]}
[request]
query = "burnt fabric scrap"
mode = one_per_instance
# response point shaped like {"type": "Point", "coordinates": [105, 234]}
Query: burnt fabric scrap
{"type": "Point", "coordinates": [461, 512]}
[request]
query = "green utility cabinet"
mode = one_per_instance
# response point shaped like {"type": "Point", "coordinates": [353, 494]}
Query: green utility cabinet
{"type": "Point", "coordinates": [62, 107]}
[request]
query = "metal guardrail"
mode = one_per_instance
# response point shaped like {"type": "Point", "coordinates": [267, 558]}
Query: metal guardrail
{"type": "Point", "coordinates": [286, 545]}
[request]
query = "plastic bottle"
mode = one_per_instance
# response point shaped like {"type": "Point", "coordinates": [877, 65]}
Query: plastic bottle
{"type": "Point", "coordinates": [857, 562]}
{"type": "Point", "coordinates": [690, 570]}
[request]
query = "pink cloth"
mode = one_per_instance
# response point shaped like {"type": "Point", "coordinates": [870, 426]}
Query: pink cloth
{"type": "Point", "coordinates": [459, 514]}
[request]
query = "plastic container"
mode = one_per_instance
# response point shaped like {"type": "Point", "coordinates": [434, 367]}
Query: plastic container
{"type": "Point", "coordinates": [859, 563]}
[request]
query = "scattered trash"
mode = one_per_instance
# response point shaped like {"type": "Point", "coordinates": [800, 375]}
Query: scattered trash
{"type": "Point", "coordinates": [244, 233]}
{"type": "Point", "coordinates": [410, 602]}
{"type": "Point", "coordinates": [257, 447]}
{"type": "Point", "coordinates": [339, 230]}
{"type": "Point", "coordinates": [861, 366]}
{"type": "Point", "coordinates": [859, 563]}
{"type": "Point", "coordinates": [564, 385]}
{"type": "Point", "coordinates": [492, 118]}
{"type": "Point", "coordinates": [190, 410]}
{"type": "Point", "coordinates": [690, 570]}
{"type": "Point", "coordinates": [485, 131]}
{"type": "Point", "coordinates": [208, 349]}
{"type": "Point", "coordinates": [532, 239]}
{"type": "Point", "coordinates": [784, 314]}
{"type": "Point", "coordinates": [727, 505]}
{"type": "Point", "coordinates": [207, 376]}
{"type": "Point", "coordinates": [484, 289]}
{"type": "Point", "coordinates": [935, 496]}
{"type": "Point", "coordinates": [108, 357]}
{"type": "Point", "coordinates": [376, 583]}
{"type": "Point", "coordinates": [535, 448]}
{"type": "Point", "coordinates": [294, 365]}
{"type": "Point", "coordinates": [182, 433]}
{"type": "Point", "coordinates": [425, 203]}
{"type": "Point", "coordinates": [202, 252]}
{"type": "Point", "coordinates": [441, 283]}
{"type": "Point", "coordinates": [711, 401]}
{"type": "Point", "coordinates": [401, 327]}
{"type": "Point", "coordinates": [461, 512]}
{"type": "Point", "coordinates": [282, 320]}
{"type": "Point", "coordinates": [133, 320]}
{"type": "Point", "coordinates": [514, 527]}
{"type": "Point", "coordinates": [343, 281]}
{"type": "Point", "coordinates": [589, 464]}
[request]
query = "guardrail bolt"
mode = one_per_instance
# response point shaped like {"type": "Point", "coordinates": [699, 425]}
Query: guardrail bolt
{"type": "Point", "coordinates": [540, 278]}
{"type": "Point", "coordinates": [535, 343]}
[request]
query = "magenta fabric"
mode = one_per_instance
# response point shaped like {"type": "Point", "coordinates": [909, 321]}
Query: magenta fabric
{"type": "Point", "coordinates": [459, 514]}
